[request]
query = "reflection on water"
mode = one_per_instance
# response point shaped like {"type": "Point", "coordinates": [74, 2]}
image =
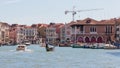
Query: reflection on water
{"type": "Point", "coordinates": [62, 57]}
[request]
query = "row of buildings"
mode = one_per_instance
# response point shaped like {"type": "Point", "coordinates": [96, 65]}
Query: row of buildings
{"type": "Point", "coordinates": [85, 31]}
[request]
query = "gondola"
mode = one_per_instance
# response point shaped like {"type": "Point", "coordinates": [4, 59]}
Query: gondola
{"type": "Point", "coordinates": [49, 48]}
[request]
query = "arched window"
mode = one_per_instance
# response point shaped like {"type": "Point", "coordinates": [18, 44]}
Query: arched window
{"type": "Point", "coordinates": [93, 39]}
{"type": "Point", "coordinates": [87, 40]}
{"type": "Point", "coordinates": [99, 40]}
{"type": "Point", "coordinates": [80, 39]}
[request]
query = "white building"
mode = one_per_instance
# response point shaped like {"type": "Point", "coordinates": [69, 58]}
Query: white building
{"type": "Point", "coordinates": [26, 34]}
{"type": "Point", "coordinates": [62, 34]}
{"type": "Point", "coordinates": [65, 32]}
{"type": "Point", "coordinates": [20, 34]}
{"type": "Point", "coordinates": [30, 34]}
{"type": "Point", "coordinates": [51, 34]}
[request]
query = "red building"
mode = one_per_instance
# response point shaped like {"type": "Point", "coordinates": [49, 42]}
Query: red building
{"type": "Point", "coordinates": [93, 31]}
{"type": "Point", "coordinates": [13, 33]}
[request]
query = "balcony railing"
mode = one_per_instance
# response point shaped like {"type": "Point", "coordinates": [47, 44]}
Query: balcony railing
{"type": "Point", "coordinates": [92, 33]}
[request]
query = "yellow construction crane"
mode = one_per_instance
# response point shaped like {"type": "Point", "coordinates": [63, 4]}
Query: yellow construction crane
{"type": "Point", "coordinates": [76, 11]}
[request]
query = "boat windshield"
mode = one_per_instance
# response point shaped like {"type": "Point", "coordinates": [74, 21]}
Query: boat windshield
{"type": "Point", "coordinates": [21, 46]}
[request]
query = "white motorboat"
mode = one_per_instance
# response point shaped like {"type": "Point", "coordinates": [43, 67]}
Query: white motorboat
{"type": "Point", "coordinates": [109, 46]}
{"type": "Point", "coordinates": [21, 47]}
{"type": "Point", "coordinates": [27, 43]}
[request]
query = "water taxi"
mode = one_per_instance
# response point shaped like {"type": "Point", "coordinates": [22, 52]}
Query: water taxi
{"type": "Point", "coordinates": [21, 47]}
{"type": "Point", "coordinates": [110, 46]}
{"type": "Point", "coordinates": [27, 43]}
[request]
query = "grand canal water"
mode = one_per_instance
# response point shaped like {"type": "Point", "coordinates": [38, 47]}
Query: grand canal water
{"type": "Point", "coordinates": [62, 57]}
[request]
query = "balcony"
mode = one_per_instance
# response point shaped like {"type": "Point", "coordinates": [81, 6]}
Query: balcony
{"type": "Point", "coordinates": [93, 33]}
{"type": "Point", "coordinates": [79, 32]}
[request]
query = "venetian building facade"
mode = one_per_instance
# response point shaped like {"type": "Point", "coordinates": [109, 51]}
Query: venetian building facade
{"type": "Point", "coordinates": [118, 30]}
{"type": "Point", "coordinates": [4, 33]}
{"type": "Point", "coordinates": [20, 34]}
{"type": "Point", "coordinates": [65, 32]}
{"type": "Point", "coordinates": [62, 34]}
{"type": "Point", "coordinates": [41, 29]}
{"type": "Point", "coordinates": [92, 31]}
{"type": "Point", "coordinates": [51, 34]}
{"type": "Point", "coordinates": [58, 32]}
{"type": "Point", "coordinates": [118, 33]}
{"type": "Point", "coordinates": [13, 34]}
{"type": "Point", "coordinates": [30, 34]}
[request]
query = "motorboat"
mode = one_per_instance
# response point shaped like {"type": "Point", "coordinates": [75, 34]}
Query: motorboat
{"type": "Point", "coordinates": [110, 46]}
{"type": "Point", "coordinates": [21, 47]}
{"type": "Point", "coordinates": [76, 46]}
{"type": "Point", "coordinates": [27, 43]}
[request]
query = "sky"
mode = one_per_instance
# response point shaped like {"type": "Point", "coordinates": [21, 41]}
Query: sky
{"type": "Point", "coordinates": [30, 12]}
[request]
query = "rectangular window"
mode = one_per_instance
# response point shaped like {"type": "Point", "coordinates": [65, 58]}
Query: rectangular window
{"type": "Point", "coordinates": [111, 29]}
{"type": "Point", "coordinates": [117, 29]}
{"type": "Point", "coordinates": [92, 29]}
{"type": "Point", "coordinates": [108, 29]}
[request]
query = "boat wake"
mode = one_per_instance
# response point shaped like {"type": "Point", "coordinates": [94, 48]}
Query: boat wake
{"type": "Point", "coordinates": [27, 50]}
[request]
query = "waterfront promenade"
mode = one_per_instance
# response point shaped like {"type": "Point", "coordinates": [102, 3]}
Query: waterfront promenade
{"type": "Point", "coordinates": [61, 57]}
